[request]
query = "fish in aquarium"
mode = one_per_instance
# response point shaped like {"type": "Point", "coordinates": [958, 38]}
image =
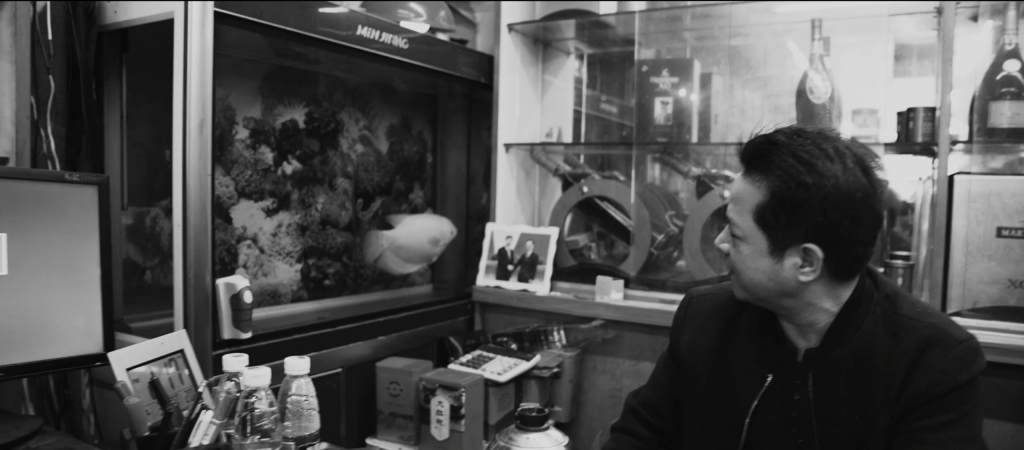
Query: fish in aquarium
{"type": "Point", "coordinates": [416, 241]}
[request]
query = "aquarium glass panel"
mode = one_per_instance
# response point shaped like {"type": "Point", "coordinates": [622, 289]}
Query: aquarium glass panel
{"type": "Point", "coordinates": [146, 213]}
{"type": "Point", "coordinates": [324, 165]}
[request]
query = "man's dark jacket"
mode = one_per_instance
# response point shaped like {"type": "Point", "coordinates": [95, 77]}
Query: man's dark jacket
{"type": "Point", "coordinates": [890, 372]}
{"type": "Point", "coordinates": [505, 259]}
{"type": "Point", "coordinates": [527, 267]}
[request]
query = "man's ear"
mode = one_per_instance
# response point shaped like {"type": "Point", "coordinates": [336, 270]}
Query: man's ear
{"type": "Point", "coordinates": [807, 261]}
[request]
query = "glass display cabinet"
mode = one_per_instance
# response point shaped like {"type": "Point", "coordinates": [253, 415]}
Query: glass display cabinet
{"type": "Point", "coordinates": [985, 263]}
{"type": "Point", "coordinates": [628, 124]}
{"type": "Point", "coordinates": [621, 129]}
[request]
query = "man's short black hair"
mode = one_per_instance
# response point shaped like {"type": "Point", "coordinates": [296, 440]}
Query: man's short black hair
{"type": "Point", "coordinates": [508, 237]}
{"type": "Point", "coordinates": [818, 188]}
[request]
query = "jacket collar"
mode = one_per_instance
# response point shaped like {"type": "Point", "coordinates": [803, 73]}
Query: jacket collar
{"type": "Point", "coordinates": [855, 312]}
{"type": "Point", "coordinates": [775, 346]}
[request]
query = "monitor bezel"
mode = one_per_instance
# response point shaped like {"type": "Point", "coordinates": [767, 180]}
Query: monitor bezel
{"type": "Point", "coordinates": [102, 183]}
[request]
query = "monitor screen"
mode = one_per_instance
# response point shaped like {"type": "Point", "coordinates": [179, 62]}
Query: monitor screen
{"type": "Point", "coordinates": [54, 279]}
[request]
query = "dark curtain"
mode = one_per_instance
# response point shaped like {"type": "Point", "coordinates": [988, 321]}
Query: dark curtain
{"type": "Point", "coordinates": [66, 128]}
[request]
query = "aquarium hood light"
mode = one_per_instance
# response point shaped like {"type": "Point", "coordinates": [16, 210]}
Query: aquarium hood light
{"type": "Point", "coordinates": [334, 9]}
{"type": "Point", "coordinates": [415, 26]}
{"type": "Point", "coordinates": [423, 15]}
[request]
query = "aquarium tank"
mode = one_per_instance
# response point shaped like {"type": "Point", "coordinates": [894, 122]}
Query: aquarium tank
{"type": "Point", "coordinates": [321, 152]}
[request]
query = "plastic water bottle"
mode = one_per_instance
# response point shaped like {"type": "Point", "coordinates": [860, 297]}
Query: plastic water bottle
{"type": "Point", "coordinates": [257, 425]}
{"type": "Point", "coordinates": [226, 394]}
{"type": "Point", "coordinates": [300, 411]}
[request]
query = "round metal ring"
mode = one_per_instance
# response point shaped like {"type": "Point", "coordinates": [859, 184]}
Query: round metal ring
{"type": "Point", "coordinates": [693, 250]}
{"type": "Point", "coordinates": [618, 193]}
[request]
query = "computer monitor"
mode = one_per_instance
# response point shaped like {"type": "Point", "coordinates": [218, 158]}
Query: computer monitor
{"type": "Point", "coordinates": [55, 279]}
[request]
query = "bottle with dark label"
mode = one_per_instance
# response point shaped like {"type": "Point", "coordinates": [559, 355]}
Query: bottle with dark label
{"type": "Point", "coordinates": [997, 109]}
{"type": "Point", "coordinates": [817, 100]}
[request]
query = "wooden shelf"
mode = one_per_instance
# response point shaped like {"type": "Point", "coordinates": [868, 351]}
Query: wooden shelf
{"type": "Point", "coordinates": [1002, 342]}
{"type": "Point", "coordinates": [631, 311]}
{"type": "Point", "coordinates": [644, 148]}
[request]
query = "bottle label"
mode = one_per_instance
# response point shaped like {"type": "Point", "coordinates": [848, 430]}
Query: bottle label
{"type": "Point", "coordinates": [440, 417]}
{"type": "Point", "coordinates": [305, 442]}
{"type": "Point", "coordinates": [819, 87]}
{"type": "Point", "coordinates": [1006, 114]}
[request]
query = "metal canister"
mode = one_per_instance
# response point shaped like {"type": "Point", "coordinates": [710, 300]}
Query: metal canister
{"type": "Point", "coordinates": [899, 267]}
{"type": "Point", "coordinates": [920, 124]}
{"type": "Point", "coordinates": [901, 126]}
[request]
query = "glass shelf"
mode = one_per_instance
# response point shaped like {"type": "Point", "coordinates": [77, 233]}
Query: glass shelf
{"type": "Point", "coordinates": [619, 32]}
{"type": "Point", "coordinates": [604, 33]}
{"type": "Point", "coordinates": [986, 158]}
{"type": "Point", "coordinates": [996, 148]}
{"type": "Point", "coordinates": [908, 148]}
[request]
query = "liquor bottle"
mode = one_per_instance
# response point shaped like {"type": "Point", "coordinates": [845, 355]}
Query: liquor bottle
{"type": "Point", "coordinates": [817, 101]}
{"type": "Point", "coordinates": [997, 109]}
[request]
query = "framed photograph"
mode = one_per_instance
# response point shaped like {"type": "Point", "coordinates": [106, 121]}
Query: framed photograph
{"type": "Point", "coordinates": [168, 360]}
{"type": "Point", "coordinates": [518, 257]}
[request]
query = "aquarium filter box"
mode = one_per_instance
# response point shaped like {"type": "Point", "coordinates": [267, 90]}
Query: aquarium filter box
{"type": "Point", "coordinates": [398, 398]}
{"type": "Point", "coordinates": [986, 247]}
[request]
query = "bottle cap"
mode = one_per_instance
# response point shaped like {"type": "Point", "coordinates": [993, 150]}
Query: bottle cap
{"type": "Point", "coordinates": [257, 376]}
{"type": "Point", "coordinates": [234, 362]}
{"type": "Point", "coordinates": [296, 365]}
{"type": "Point", "coordinates": [532, 417]}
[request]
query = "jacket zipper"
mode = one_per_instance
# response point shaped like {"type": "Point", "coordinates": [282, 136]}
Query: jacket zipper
{"type": "Point", "coordinates": [810, 398]}
{"type": "Point", "coordinates": [743, 437]}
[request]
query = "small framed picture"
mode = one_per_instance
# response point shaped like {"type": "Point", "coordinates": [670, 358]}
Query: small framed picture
{"type": "Point", "coordinates": [518, 257]}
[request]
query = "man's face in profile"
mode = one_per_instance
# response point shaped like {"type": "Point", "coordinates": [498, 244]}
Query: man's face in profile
{"type": "Point", "coordinates": [756, 275]}
{"type": "Point", "coordinates": [529, 247]}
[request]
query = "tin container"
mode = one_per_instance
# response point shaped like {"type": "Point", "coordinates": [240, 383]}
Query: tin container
{"type": "Point", "coordinates": [899, 267]}
{"type": "Point", "coordinates": [920, 124]}
{"type": "Point", "coordinates": [398, 399]}
{"type": "Point", "coordinates": [901, 126]}
{"type": "Point", "coordinates": [866, 124]}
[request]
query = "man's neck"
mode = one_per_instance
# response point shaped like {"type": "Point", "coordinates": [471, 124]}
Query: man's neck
{"type": "Point", "coordinates": [807, 321]}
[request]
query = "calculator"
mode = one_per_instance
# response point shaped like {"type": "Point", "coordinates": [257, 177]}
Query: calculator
{"type": "Point", "coordinates": [498, 364]}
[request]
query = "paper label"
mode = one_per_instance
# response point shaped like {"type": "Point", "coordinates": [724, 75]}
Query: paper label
{"type": "Point", "coordinates": [440, 417]}
{"type": "Point", "coordinates": [818, 87]}
{"type": "Point", "coordinates": [1006, 114]}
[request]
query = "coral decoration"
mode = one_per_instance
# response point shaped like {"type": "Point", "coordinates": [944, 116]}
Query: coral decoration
{"type": "Point", "coordinates": [299, 183]}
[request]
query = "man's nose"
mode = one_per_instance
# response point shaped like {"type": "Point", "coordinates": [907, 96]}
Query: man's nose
{"type": "Point", "coordinates": [722, 242]}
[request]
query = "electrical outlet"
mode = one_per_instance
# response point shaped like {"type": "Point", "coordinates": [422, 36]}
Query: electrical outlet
{"type": "Point", "coordinates": [3, 253]}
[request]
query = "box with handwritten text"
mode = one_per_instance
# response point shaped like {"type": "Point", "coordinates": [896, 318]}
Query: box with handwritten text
{"type": "Point", "coordinates": [452, 410]}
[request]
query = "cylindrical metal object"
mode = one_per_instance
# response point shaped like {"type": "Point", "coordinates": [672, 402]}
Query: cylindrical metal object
{"type": "Point", "coordinates": [901, 126]}
{"type": "Point", "coordinates": [900, 268]}
{"type": "Point", "coordinates": [920, 126]}
{"type": "Point", "coordinates": [137, 415]}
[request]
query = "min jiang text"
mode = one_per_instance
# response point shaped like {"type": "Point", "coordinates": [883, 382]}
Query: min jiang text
{"type": "Point", "coordinates": [380, 36]}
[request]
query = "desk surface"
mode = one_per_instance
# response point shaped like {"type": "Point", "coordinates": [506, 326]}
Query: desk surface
{"type": "Point", "coordinates": [630, 311]}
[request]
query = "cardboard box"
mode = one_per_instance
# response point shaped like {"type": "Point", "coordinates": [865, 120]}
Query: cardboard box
{"type": "Point", "coordinates": [501, 404]}
{"type": "Point", "coordinates": [986, 245]}
{"type": "Point", "coordinates": [452, 410]}
{"type": "Point", "coordinates": [398, 399]}
{"type": "Point", "coordinates": [566, 387]}
{"type": "Point", "coordinates": [668, 95]}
